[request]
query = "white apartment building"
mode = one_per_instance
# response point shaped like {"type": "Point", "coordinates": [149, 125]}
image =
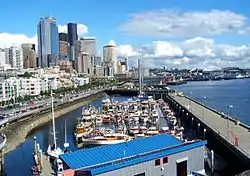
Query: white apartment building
{"type": "Point", "coordinates": [81, 80]}
{"type": "Point", "coordinates": [16, 57]}
{"type": "Point", "coordinates": [30, 86]}
{"type": "Point", "coordinates": [7, 90]}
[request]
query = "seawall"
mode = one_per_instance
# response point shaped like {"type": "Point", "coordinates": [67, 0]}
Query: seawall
{"type": "Point", "coordinates": [16, 133]}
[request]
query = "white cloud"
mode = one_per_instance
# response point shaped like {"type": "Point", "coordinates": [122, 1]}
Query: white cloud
{"type": "Point", "coordinates": [7, 39]}
{"type": "Point", "coordinates": [169, 23]}
{"type": "Point", "coordinates": [196, 52]}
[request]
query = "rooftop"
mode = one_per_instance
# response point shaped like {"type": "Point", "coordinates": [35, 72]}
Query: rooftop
{"type": "Point", "coordinates": [112, 157]}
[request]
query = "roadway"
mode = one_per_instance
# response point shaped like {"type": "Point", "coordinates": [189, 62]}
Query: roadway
{"type": "Point", "coordinates": [17, 114]}
{"type": "Point", "coordinates": [218, 124]}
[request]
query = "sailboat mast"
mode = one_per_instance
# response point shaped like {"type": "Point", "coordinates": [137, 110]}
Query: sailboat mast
{"type": "Point", "coordinates": [65, 132]}
{"type": "Point", "coordinates": [142, 71]}
{"type": "Point", "coordinates": [53, 120]}
{"type": "Point", "coordinates": [139, 75]}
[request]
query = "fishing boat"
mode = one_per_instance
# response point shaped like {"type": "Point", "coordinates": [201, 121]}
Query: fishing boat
{"type": "Point", "coordinates": [152, 131]}
{"type": "Point", "coordinates": [106, 118]}
{"type": "Point", "coordinates": [107, 139]}
{"type": "Point", "coordinates": [87, 118]}
{"type": "Point", "coordinates": [82, 130]}
{"type": "Point", "coordinates": [98, 119]}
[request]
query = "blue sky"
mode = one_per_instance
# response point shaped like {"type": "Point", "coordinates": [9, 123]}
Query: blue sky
{"type": "Point", "coordinates": [103, 17]}
{"type": "Point", "coordinates": [174, 33]}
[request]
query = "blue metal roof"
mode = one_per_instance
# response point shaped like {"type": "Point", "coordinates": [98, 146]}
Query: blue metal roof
{"type": "Point", "coordinates": [111, 157]}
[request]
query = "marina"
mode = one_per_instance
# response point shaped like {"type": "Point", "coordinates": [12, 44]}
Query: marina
{"type": "Point", "coordinates": [119, 122]}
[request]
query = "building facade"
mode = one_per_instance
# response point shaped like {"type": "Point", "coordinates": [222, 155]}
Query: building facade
{"type": "Point", "coordinates": [63, 37]}
{"type": "Point", "coordinates": [2, 57]}
{"type": "Point", "coordinates": [72, 38]}
{"type": "Point", "coordinates": [48, 42]}
{"type": "Point", "coordinates": [63, 50]}
{"type": "Point", "coordinates": [16, 57]}
{"type": "Point", "coordinates": [159, 155]}
{"type": "Point", "coordinates": [109, 60]}
{"type": "Point", "coordinates": [29, 55]}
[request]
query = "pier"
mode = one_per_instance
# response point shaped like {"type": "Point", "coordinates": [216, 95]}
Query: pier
{"type": "Point", "coordinates": [220, 130]}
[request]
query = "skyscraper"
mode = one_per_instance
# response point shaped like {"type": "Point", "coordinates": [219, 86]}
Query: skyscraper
{"type": "Point", "coordinates": [16, 57]}
{"type": "Point", "coordinates": [48, 42]}
{"type": "Point", "coordinates": [29, 55]}
{"type": "Point", "coordinates": [110, 60]}
{"type": "Point", "coordinates": [72, 38]}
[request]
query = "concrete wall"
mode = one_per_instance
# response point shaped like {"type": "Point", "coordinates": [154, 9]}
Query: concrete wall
{"type": "Point", "coordinates": [195, 162]}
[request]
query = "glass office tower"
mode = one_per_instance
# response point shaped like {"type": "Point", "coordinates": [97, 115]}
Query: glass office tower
{"type": "Point", "coordinates": [48, 42]}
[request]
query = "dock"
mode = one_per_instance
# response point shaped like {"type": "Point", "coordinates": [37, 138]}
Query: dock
{"type": "Point", "coordinates": [46, 167]}
{"type": "Point", "coordinates": [235, 133]}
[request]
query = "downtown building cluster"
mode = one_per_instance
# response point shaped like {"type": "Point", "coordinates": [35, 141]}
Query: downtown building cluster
{"type": "Point", "coordinates": [59, 60]}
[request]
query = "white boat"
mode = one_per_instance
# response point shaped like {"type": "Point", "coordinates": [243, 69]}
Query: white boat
{"type": "Point", "coordinates": [136, 116]}
{"type": "Point", "coordinates": [152, 131]}
{"type": "Point", "coordinates": [107, 139]}
{"type": "Point", "coordinates": [134, 130]}
{"type": "Point", "coordinates": [98, 119]}
{"type": "Point", "coordinates": [87, 120]}
{"type": "Point", "coordinates": [155, 114]}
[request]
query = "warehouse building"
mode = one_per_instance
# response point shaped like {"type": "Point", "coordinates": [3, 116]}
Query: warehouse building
{"type": "Point", "coordinates": [161, 155]}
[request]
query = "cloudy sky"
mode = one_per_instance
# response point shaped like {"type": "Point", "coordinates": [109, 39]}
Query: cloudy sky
{"type": "Point", "coordinates": [171, 33]}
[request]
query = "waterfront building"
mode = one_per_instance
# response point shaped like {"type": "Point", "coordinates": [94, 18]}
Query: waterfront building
{"type": "Point", "coordinates": [48, 42]}
{"type": "Point", "coordinates": [81, 80]}
{"type": "Point", "coordinates": [29, 86]}
{"type": "Point", "coordinates": [7, 90]}
{"type": "Point", "coordinates": [109, 60]}
{"type": "Point", "coordinates": [72, 38]}
{"type": "Point", "coordinates": [29, 55]}
{"type": "Point", "coordinates": [66, 66]}
{"type": "Point", "coordinates": [157, 155]}
{"type": "Point", "coordinates": [16, 57]}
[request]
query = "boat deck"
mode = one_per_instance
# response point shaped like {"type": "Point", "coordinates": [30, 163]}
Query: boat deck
{"type": "Point", "coordinates": [46, 167]}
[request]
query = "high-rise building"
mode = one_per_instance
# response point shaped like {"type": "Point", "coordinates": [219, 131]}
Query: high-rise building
{"type": "Point", "coordinates": [48, 42]}
{"type": "Point", "coordinates": [109, 60]}
{"type": "Point", "coordinates": [63, 37]}
{"type": "Point", "coordinates": [16, 57]}
{"type": "Point", "coordinates": [29, 55]}
{"type": "Point", "coordinates": [63, 50]}
{"type": "Point", "coordinates": [72, 38]}
{"type": "Point", "coordinates": [89, 45]}
{"type": "Point", "coordinates": [2, 57]}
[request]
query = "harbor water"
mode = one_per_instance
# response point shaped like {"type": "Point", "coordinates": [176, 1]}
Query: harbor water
{"type": "Point", "coordinates": [216, 94]}
{"type": "Point", "coordinates": [229, 96]}
{"type": "Point", "coordinates": [19, 161]}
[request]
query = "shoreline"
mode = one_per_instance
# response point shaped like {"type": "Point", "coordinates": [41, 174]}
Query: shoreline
{"type": "Point", "coordinates": [17, 133]}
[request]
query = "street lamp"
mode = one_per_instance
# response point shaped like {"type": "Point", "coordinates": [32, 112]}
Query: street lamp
{"type": "Point", "coordinates": [228, 115]}
{"type": "Point", "coordinates": [202, 102]}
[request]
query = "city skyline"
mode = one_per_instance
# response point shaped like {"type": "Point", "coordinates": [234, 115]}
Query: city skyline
{"type": "Point", "coordinates": [173, 34]}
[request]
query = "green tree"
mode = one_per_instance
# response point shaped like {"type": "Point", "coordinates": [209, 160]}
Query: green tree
{"type": "Point", "coordinates": [26, 98]}
{"type": "Point", "coordinates": [19, 98]}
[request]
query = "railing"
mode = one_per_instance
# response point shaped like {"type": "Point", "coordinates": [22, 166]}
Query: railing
{"type": "Point", "coordinates": [117, 161]}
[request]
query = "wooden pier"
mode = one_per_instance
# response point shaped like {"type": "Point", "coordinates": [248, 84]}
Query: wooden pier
{"type": "Point", "coordinates": [234, 132]}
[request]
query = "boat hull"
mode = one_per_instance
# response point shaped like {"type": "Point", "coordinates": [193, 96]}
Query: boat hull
{"type": "Point", "coordinates": [89, 142]}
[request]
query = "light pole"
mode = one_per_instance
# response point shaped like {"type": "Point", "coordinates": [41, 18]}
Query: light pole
{"type": "Point", "coordinates": [228, 115]}
{"type": "Point", "coordinates": [202, 102]}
